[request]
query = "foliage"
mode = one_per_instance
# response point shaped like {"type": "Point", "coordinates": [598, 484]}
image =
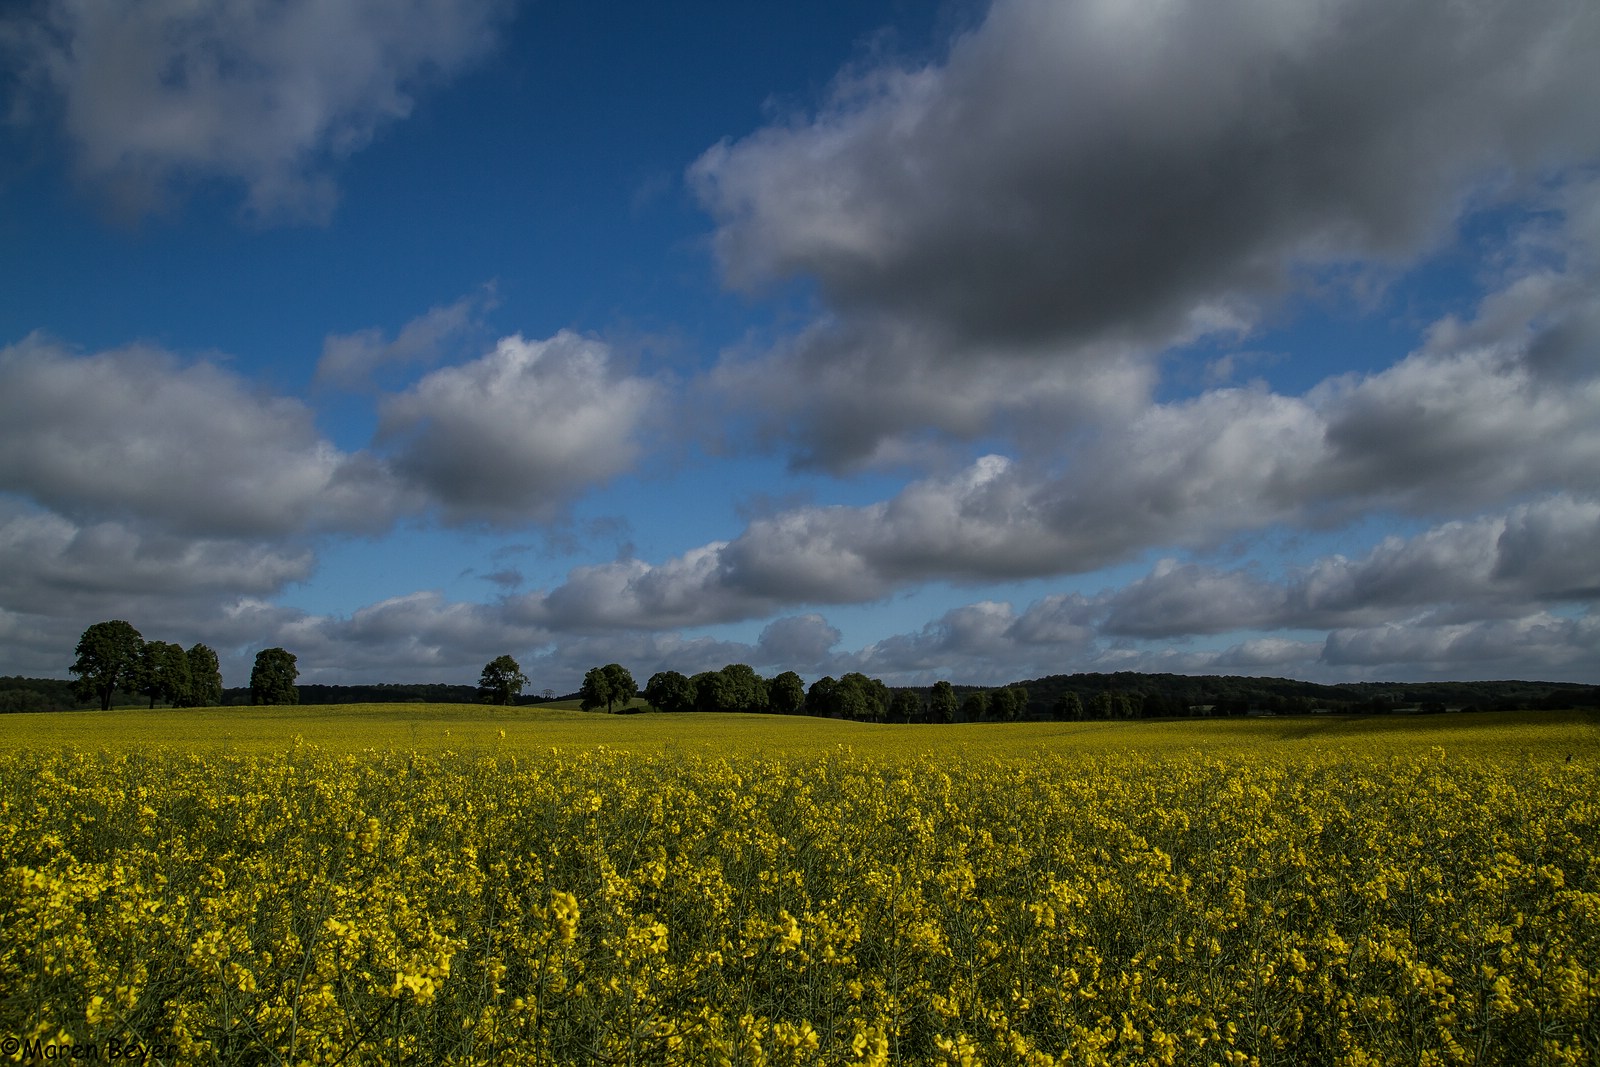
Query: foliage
{"type": "Point", "coordinates": [786, 694]}
{"type": "Point", "coordinates": [205, 679]}
{"type": "Point", "coordinates": [163, 672]}
{"type": "Point", "coordinates": [272, 679]}
{"type": "Point", "coordinates": [820, 697]}
{"type": "Point", "coordinates": [942, 705]}
{"type": "Point", "coordinates": [975, 708]}
{"type": "Point", "coordinates": [608, 685]}
{"type": "Point", "coordinates": [501, 681]}
{"type": "Point", "coordinates": [670, 691]}
{"type": "Point", "coordinates": [108, 660]}
{"type": "Point", "coordinates": [18, 693]}
{"type": "Point", "coordinates": [1329, 901]}
{"type": "Point", "coordinates": [906, 706]}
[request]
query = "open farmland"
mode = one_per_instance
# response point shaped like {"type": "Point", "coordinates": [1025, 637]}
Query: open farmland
{"type": "Point", "coordinates": [462, 884]}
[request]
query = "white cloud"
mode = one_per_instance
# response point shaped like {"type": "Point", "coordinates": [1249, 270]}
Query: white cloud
{"type": "Point", "coordinates": [1539, 645]}
{"type": "Point", "coordinates": [796, 642]}
{"type": "Point", "coordinates": [1544, 552]}
{"type": "Point", "coordinates": [1444, 430]}
{"type": "Point", "coordinates": [517, 434]}
{"type": "Point", "coordinates": [57, 576]}
{"type": "Point", "coordinates": [164, 93]}
{"type": "Point", "coordinates": [351, 360]}
{"type": "Point", "coordinates": [50, 561]}
{"type": "Point", "coordinates": [135, 433]}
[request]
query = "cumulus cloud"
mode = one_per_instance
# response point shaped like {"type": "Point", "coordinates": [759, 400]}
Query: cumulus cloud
{"type": "Point", "coordinates": [861, 393]}
{"type": "Point", "coordinates": [165, 93]}
{"type": "Point", "coordinates": [516, 434]}
{"type": "Point", "coordinates": [135, 433]}
{"type": "Point", "coordinates": [1496, 574]}
{"type": "Point", "coordinates": [1085, 185]}
{"type": "Point", "coordinates": [1071, 169]}
{"type": "Point", "coordinates": [1464, 423]}
{"type": "Point", "coordinates": [796, 641]}
{"type": "Point", "coordinates": [351, 360]}
{"type": "Point", "coordinates": [1544, 552]}
{"type": "Point", "coordinates": [57, 576]}
{"type": "Point", "coordinates": [49, 560]}
{"type": "Point", "coordinates": [1539, 644]}
{"type": "Point", "coordinates": [977, 524]}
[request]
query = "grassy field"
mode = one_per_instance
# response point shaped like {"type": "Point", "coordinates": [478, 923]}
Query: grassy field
{"type": "Point", "coordinates": [386, 884]}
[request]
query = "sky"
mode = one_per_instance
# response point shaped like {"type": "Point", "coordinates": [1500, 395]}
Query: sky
{"type": "Point", "coordinates": [929, 340]}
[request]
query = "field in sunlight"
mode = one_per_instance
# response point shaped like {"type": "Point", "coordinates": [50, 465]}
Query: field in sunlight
{"type": "Point", "coordinates": [469, 885]}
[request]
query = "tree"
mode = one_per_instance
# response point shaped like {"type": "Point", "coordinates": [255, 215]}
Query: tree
{"type": "Point", "coordinates": [786, 694]}
{"type": "Point", "coordinates": [163, 672]}
{"type": "Point", "coordinates": [942, 704]}
{"type": "Point", "coordinates": [607, 685]}
{"type": "Point", "coordinates": [623, 688]}
{"type": "Point", "coordinates": [976, 707]}
{"type": "Point", "coordinates": [1019, 694]}
{"type": "Point", "coordinates": [1068, 706]}
{"type": "Point", "coordinates": [747, 689]}
{"type": "Point", "coordinates": [906, 706]}
{"type": "Point", "coordinates": [596, 689]}
{"type": "Point", "coordinates": [861, 698]}
{"type": "Point", "coordinates": [108, 660]}
{"type": "Point", "coordinates": [822, 699]}
{"type": "Point", "coordinates": [501, 681]}
{"type": "Point", "coordinates": [272, 678]}
{"type": "Point", "coordinates": [714, 691]}
{"type": "Point", "coordinates": [1003, 705]}
{"type": "Point", "coordinates": [669, 691]}
{"type": "Point", "coordinates": [1107, 704]}
{"type": "Point", "coordinates": [205, 678]}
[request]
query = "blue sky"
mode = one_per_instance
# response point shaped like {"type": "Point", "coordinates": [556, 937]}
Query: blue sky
{"type": "Point", "coordinates": [968, 341]}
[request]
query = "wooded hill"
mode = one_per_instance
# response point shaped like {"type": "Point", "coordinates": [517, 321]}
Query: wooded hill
{"type": "Point", "coordinates": [1176, 695]}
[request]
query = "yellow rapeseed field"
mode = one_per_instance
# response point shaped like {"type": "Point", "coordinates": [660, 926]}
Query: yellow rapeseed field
{"type": "Point", "coordinates": [455, 885]}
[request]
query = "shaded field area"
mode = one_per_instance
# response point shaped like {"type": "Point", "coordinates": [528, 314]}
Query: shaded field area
{"type": "Point", "coordinates": [400, 883]}
{"type": "Point", "coordinates": [478, 728]}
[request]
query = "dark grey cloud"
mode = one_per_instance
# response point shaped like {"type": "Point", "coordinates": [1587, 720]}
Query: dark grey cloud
{"type": "Point", "coordinates": [1074, 169]}
{"type": "Point", "coordinates": [1081, 186]}
{"type": "Point", "coordinates": [164, 93]}
{"type": "Point", "coordinates": [188, 446]}
{"type": "Point", "coordinates": [1184, 599]}
{"type": "Point", "coordinates": [52, 564]}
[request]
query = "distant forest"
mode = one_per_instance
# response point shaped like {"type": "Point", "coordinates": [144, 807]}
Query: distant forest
{"type": "Point", "coordinates": [1132, 695]}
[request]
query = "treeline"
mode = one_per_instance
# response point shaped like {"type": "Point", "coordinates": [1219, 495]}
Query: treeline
{"type": "Point", "coordinates": [49, 694]}
{"type": "Point", "coordinates": [1129, 694]}
{"type": "Point", "coordinates": [379, 693]}
{"type": "Point", "coordinates": [738, 688]}
{"type": "Point", "coordinates": [1075, 697]}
